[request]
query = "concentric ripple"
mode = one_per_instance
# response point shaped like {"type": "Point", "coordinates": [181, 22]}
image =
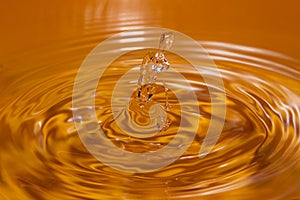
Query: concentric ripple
{"type": "Point", "coordinates": [257, 154]}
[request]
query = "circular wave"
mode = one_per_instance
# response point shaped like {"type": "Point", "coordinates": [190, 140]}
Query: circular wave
{"type": "Point", "coordinates": [42, 156]}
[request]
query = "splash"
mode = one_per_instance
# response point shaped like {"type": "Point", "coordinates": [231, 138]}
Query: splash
{"type": "Point", "coordinates": [153, 64]}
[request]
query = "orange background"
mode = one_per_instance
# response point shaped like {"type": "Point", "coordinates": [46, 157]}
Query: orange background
{"type": "Point", "coordinates": [27, 25]}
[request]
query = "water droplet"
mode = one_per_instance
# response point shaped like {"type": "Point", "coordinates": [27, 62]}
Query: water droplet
{"type": "Point", "coordinates": [166, 41]}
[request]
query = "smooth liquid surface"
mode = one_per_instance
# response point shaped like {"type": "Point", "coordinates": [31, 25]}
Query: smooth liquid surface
{"type": "Point", "coordinates": [43, 158]}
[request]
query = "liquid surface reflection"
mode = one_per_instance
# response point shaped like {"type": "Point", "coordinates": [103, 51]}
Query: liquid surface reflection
{"type": "Point", "coordinates": [42, 157]}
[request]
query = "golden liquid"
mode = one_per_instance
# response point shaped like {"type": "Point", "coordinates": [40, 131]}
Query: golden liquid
{"type": "Point", "coordinates": [257, 155]}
